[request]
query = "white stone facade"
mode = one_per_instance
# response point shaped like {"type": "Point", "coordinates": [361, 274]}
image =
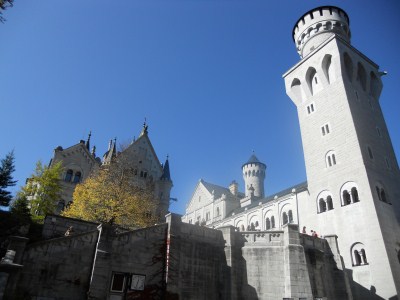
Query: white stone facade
{"type": "Point", "coordinates": [353, 178]}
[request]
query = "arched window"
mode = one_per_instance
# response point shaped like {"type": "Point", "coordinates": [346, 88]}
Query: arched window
{"type": "Point", "coordinates": [284, 218]}
{"type": "Point", "coordinates": [252, 227]}
{"type": "Point", "coordinates": [375, 86]}
{"type": "Point", "coordinates": [326, 67]}
{"type": "Point", "coordinates": [296, 89]}
{"type": "Point", "coordinates": [354, 194]}
{"type": "Point", "coordinates": [348, 64]}
{"type": "Point", "coordinates": [312, 80]}
{"type": "Point", "coordinates": [383, 195]}
{"type": "Point", "coordinates": [272, 222]}
{"type": "Point", "coordinates": [242, 227]}
{"type": "Point", "coordinates": [217, 211]}
{"type": "Point", "coordinates": [329, 202]}
{"type": "Point", "coordinates": [322, 205]}
{"type": "Point", "coordinates": [77, 177]}
{"type": "Point", "coordinates": [290, 214]}
{"type": "Point", "coordinates": [357, 258]}
{"type": "Point", "coordinates": [346, 198]}
{"type": "Point", "coordinates": [330, 159]}
{"type": "Point", "coordinates": [267, 224]}
{"type": "Point", "coordinates": [361, 76]}
{"type": "Point", "coordinates": [68, 175]}
{"type": "Point", "coordinates": [363, 256]}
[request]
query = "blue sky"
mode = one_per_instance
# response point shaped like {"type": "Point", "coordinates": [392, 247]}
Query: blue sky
{"type": "Point", "coordinates": [205, 73]}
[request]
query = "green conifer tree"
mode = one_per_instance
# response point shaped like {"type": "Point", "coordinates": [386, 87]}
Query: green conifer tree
{"type": "Point", "coordinates": [6, 179]}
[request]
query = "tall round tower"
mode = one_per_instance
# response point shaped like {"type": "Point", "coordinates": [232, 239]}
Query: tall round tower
{"type": "Point", "coordinates": [254, 175]}
{"type": "Point", "coordinates": [317, 25]}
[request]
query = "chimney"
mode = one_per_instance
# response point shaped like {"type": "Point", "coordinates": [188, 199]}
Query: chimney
{"type": "Point", "coordinates": [233, 187]}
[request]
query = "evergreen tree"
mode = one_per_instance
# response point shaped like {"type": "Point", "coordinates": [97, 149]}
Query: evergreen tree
{"type": "Point", "coordinates": [43, 190]}
{"type": "Point", "coordinates": [20, 207]}
{"type": "Point", "coordinates": [6, 179]}
{"type": "Point", "coordinates": [3, 5]}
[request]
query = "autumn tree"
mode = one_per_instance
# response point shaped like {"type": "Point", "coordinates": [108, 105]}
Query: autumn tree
{"type": "Point", "coordinates": [6, 180]}
{"type": "Point", "coordinates": [114, 196]}
{"type": "Point", "coordinates": [43, 190]}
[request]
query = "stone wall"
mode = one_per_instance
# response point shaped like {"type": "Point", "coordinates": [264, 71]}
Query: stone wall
{"type": "Point", "coordinates": [56, 269]}
{"type": "Point", "coordinates": [56, 226]}
{"type": "Point", "coordinates": [141, 251]}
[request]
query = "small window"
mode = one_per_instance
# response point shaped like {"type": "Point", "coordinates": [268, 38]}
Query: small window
{"type": "Point", "coordinates": [272, 222]}
{"type": "Point", "coordinates": [330, 159]}
{"type": "Point", "coordinates": [77, 177]}
{"type": "Point", "coordinates": [322, 205]}
{"type": "Point", "coordinates": [68, 175]}
{"type": "Point", "coordinates": [387, 163]}
{"type": "Point", "coordinates": [346, 198]}
{"type": "Point", "coordinates": [371, 156]}
{"type": "Point", "coordinates": [267, 224]}
{"type": "Point", "coordinates": [284, 218]}
{"type": "Point", "coordinates": [310, 108]}
{"type": "Point", "coordinates": [218, 212]}
{"type": "Point", "coordinates": [118, 282]}
{"type": "Point", "coordinates": [378, 131]}
{"type": "Point", "coordinates": [323, 130]}
{"type": "Point", "coordinates": [329, 202]}
{"type": "Point", "coordinates": [290, 215]}
{"type": "Point", "coordinates": [327, 128]}
{"type": "Point", "coordinates": [208, 216]}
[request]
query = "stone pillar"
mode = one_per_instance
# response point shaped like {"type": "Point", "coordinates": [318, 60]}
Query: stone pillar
{"type": "Point", "coordinates": [297, 281]}
{"type": "Point", "coordinates": [10, 265]}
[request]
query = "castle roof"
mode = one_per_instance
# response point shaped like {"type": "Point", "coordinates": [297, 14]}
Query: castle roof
{"type": "Point", "coordinates": [298, 187]}
{"type": "Point", "coordinates": [218, 190]}
{"type": "Point", "coordinates": [253, 160]}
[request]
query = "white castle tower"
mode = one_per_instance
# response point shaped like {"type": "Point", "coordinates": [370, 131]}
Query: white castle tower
{"type": "Point", "coordinates": [352, 172]}
{"type": "Point", "coordinates": [254, 175]}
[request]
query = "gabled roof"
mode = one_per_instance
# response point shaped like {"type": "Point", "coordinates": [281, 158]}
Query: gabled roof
{"type": "Point", "coordinates": [218, 190]}
{"type": "Point", "coordinates": [80, 144]}
{"type": "Point", "coordinates": [298, 187]}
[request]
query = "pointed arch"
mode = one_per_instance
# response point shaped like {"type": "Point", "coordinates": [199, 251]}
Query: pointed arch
{"type": "Point", "coordinates": [326, 67]}
{"type": "Point", "coordinates": [311, 79]}
{"type": "Point", "coordinates": [348, 65]}
{"type": "Point", "coordinates": [361, 76]}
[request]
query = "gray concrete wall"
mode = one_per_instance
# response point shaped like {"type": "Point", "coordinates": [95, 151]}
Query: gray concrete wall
{"type": "Point", "coordinates": [55, 226]}
{"type": "Point", "coordinates": [57, 269]}
{"type": "Point", "coordinates": [141, 252]}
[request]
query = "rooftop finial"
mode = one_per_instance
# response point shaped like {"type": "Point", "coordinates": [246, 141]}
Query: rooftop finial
{"type": "Point", "coordinates": [145, 127]}
{"type": "Point", "coordinates": [88, 140]}
{"type": "Point", "coordinates": [94, 151]}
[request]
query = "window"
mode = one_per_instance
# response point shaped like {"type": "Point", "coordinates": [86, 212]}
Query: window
{"type": "Point", "coordinates": [77, 177]}
{"type": "Point", "coordinates": [208, 216]}
{"type": "Point", "coordinates": [284, 218]}
{"type": "Point", "coordinates": [190, 221]}
{"type": "Point", "coordinates": [272, 222]}
{"type": "Point", "coordinates": [381, 193]}
{"type": "Point", "coordinates": [267, 224]}
{"type": "Point", "coordinates": [358, 255]}
{"type": "Point", "coordinates": [325, 129]}
{"type": "Point", "coordinates": [387, 163]}
{"type": "Point", "coordinates": [322, 205]}
{"type": "Point", "coordinates": [371, 156]}
{"type": "Point", "coordinates": [349, 193]}
{"type": "Point", "coordinates": [218, 213]}
{"type": "Point", "coordinates": [118, 282]}
{"type": "Point", "coordinates": [330, 159]}
{"type": "Point", "coordinates": [68, 176]}
{"type": "Point", "coordinates": [329, 202]}
{"type": "Point", "coordinates": [310, 108]}
{"type": "Point", "coordinates": [378, 130]}
{"type": "Point", "coordinates": [290, 214]}
{"type": "Point", "coordinates": [361, 76]}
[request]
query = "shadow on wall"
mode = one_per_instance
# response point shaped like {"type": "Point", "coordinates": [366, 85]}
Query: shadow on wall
{"type": "Point", "coordinates": [363, 293]}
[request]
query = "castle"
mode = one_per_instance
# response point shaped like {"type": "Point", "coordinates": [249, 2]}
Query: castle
{"type": "Point", "coordinates": [352, 187]}
{"type": "Point", "coordinates": [251, 246]}
{"type": "Point", "coordinates": [80, 161]}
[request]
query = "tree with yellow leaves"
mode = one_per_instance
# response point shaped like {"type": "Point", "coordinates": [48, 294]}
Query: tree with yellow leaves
{"type": "Point", "coordinates": [112, 196]}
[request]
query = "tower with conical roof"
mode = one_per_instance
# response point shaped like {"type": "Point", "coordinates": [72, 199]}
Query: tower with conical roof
{"type": "Point", "coordinates": [254, 174]}
{"type": "Point", "coordinates": [352, 172]}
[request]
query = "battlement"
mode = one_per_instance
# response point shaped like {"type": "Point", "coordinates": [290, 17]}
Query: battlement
{"type": "Point", "coordinates": [317, 25]}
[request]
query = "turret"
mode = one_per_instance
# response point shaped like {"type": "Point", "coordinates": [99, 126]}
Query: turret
{"type": "Point", "coordinates": [254, 175]}
{"type": "Point", "coordinates": [317, 25]}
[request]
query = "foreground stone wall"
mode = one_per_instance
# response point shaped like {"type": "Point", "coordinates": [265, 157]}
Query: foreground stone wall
{"type": "Point", "coordinates": [57, 269]}
{"type": "Point", "coordinates": [55, 226]}
{"type": "Point", "coordinates": [141, 251]}
{"type": "Point", "coordinates": [196, 267]}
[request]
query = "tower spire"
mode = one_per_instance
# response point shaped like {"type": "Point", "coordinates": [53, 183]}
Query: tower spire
{"type": "Point", "coordinates": [145, 128]}
{"type": "Point", "coordinates": [88, 141]}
